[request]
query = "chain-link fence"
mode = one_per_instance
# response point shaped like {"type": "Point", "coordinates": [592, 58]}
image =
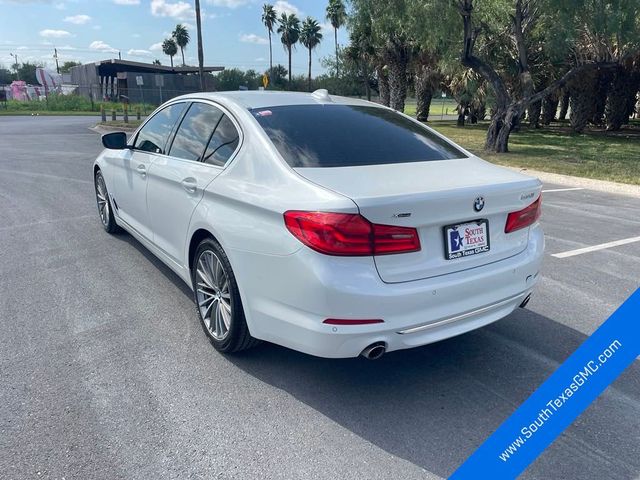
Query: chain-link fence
{"type": "Point", "coordinates": [86, 98]}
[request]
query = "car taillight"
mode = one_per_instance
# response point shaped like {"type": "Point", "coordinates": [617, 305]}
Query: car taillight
{"type": "Point", "coordinates": [349, 234]}
{"type": "Point", "coordinates": [525, 217]}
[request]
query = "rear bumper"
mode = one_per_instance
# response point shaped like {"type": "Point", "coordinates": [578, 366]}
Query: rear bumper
{"type": "Point", "coordinates": [287, 298]}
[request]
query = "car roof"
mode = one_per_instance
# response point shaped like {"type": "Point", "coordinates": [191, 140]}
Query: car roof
{"type": "Point", "coordinates": [263, 99]}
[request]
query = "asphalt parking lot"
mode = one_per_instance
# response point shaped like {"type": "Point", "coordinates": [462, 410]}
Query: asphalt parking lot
{"type": "Point", "coordinates": [105, 372]}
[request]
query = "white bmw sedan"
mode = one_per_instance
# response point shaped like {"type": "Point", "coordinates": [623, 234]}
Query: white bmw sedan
{"type": "Point", "coordinates": [329, 225]}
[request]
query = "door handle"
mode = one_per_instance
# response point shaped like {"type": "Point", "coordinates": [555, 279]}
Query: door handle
{"type": "Point", "coordinates": [142, 170]}
{"type": "Point", "coordinates": [190, 184]}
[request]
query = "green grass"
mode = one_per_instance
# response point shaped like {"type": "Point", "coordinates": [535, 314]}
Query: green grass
{"type": "Point", "coordinates": [598, 155]}
{"type": "Point", "coordinates": [438, 108]}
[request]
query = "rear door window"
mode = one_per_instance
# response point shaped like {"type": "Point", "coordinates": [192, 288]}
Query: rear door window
{"type": "Point", "coordinates": [154, 134]}
{"type": "Point", "coordinates": [195, 131]}
{"type": "Point", "coordinates": [223, 144]}
{"type": "Point", "coordinates": [349, 135]}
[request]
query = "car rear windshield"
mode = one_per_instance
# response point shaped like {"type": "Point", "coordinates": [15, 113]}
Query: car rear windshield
{"type": "Point", "coordinates": [349, 135]}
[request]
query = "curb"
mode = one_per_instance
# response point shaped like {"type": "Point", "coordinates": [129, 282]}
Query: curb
{"type": "Point", "coordinates": [102, 129]}
{"type": "Point", "coordinates": [587, 183]}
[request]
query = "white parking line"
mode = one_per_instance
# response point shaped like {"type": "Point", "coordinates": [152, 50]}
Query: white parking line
{"type": "Point", "coordinates": [562, 189]}
{"type": "Point", "coordinates": [594, 248]}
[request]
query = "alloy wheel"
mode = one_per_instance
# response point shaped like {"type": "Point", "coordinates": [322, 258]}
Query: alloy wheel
{"type": "Point", "coordinates": [102, 199]}
{"type": "Point", "coordinates": [213, 296]}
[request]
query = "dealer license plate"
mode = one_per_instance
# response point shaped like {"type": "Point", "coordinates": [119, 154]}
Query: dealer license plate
{"type": "Point", "coordinates": [466, 239]}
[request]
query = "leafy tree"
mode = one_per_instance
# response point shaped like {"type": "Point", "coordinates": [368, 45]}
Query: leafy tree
{"type": "Point", "coordinates": [67, 66]}
{"type": "Point", "coordinates": [361, 52]}
{"type": "Point", "coordinates": [278, 77]}
{"type": "Point", "coordinates": [182, 38]}
{"type": "Point", "coordinates": [289, 29]}
{"type": "Point", "coordinates": [606, 35]}
{"type": "Point", "coordinates": [157, 62]}
{"type": "Point", "coordinates": [230, 79]}
{"type": "Point", "coordinates": [269, 19]}
{"type": "Point", "coordinates": [349, 83]}
{"type": "Point", "coordinates": [511, 102]}
{"type": "Point", "coordinates": [253, 79]}
{"type": "Point", "coordinates": [27, 72]}
{"type": "Point", "coordinates": [393, 43]}
{"type": "Point", "coordinates": [170, 48]}
{"type": "Point", "coordinates": [337, 15]}
{"type": "Point", "coordinates": [6, 76]}
{"type": "Point", "coordinates": [310, 37]}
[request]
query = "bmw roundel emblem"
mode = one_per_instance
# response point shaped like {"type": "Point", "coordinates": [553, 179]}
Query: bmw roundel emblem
{"type": "Point", "coordinates": [478, 204]}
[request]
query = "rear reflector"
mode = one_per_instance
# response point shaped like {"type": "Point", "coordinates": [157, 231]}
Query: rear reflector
{"type": "Point", "coordinates": [349, 234]}
{"type": "Point", "coordinates": [525, 217]}
{"type": "Point", "coordinates": [338, 321]}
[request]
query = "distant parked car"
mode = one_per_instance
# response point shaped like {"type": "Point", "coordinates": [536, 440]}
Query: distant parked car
{"type": "Point", "coordinates": [332, 226]}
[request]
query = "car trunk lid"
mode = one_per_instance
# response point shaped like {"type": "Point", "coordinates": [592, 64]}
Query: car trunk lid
{"type": "Point", "coordinates": [430, 196]}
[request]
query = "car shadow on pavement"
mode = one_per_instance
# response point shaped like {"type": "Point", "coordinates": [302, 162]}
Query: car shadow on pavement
{"type": "Point", "coordinates": [434, 405]}
{"type": "Point", "coordinates": [170, 274]}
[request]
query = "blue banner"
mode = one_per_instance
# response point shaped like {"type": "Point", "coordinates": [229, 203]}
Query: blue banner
{"type": "Point", "coordinates": [560, 399]}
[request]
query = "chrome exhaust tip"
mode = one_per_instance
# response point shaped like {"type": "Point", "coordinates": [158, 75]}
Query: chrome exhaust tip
{"type": "Point", "coordinates": [374, 351]}
{"type": "Point", "coordinates": [525, 301]}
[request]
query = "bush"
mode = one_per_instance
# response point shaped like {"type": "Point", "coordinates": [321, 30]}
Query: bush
{"type": "Point", "coordinates": [72, 103]}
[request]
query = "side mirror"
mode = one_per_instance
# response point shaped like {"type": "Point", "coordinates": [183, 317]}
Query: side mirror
{"type": "Point", "coordinates": [115, 140]}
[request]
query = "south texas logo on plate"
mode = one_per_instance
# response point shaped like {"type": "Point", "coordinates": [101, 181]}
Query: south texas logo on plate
{"type": "Point", "coordinates": [466, 239]}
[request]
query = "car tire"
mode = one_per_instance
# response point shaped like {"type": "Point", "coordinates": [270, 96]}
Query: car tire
{"type": "Point", "coordinates": [105, 209]}
{"type": "Point", "coordinates": [217, 299]}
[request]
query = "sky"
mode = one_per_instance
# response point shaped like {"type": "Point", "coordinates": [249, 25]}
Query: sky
{"type": "Point", "coordinates": [92, 30]}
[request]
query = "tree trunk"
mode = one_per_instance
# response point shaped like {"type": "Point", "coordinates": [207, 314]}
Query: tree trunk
{"type": "Point", "coordinates": [367, 87]}
{"type": "Point", "coordinates": [564, 103]}
{"type": "Point", "coordinates": [632, 94]}
{"type": "Point", "coordinates": [500, 127]}
{"type": "Point", "coordinates": [424, 92]}
{"type": "Point", "coordinates": [182, 51]}
{"type": "Point", "coordinates": [599, 100]}
{"type": "Point", "coordinates": [616, 110]}
{"type": "Point", "coordinates": [309, 79]}
{"type": "Point", "coordinates": [582, 90]}
{"type": "Point", "coordinates": [424, 105]}
{"type": "Point", "coordinates": [171, 57]}
{"type": "Point", "coordinates": [462, 113]}
{"type": "Point", "coordinates": [383, 86]}
{"type": "Point", "coordinates": [270, 57]}
{"type": "Point", "coordinates": [534, 114]}
{"type": "Point", "coordinates": [289, 49]}
{"type": "Point", "coordinates": [549, 108]}
{"type": "Point", "coordinates": [335, 38]}
{"type": "Point", "coordinates": [398, 81]}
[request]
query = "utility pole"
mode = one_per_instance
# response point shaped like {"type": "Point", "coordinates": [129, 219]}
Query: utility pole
{"type": "Point", "coordinates": [119, 55]}
{"type": "Point", "coordinates": [16, 65]}
{"type": "Point", "coordinates": [200, 51]}
{"type": "Point", "coordinates": [55, 55]}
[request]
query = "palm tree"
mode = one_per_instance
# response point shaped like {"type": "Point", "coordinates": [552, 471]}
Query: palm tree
{"type": "Point", "coordinates": [289, 30]}
{"type": "Point", "coordinates": [310, 37]}
{"type": "Point", "coordinates": [269, 19]}
{"type": "Point", "coordinates": [337, 15]}
{"type": "Point", "coordinates": [182, 38]}
{"type": "Point", "coordinates": [157, 62]}
{"type": "Point", "coordinates": [169, 47]}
